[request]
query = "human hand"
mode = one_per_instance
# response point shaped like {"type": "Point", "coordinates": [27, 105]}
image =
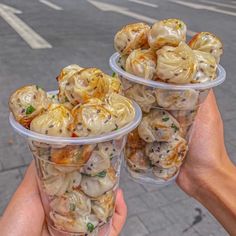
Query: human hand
{"type": "Point", "coordinates": [24, 214]}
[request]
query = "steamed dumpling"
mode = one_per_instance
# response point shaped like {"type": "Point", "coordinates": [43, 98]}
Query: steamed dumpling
{"type": "Point", "coordinates": [158, 126]}
{"type": "Point", "coordinates": [207, 42]}
{"type": "Point", "coordinates": [130, 37]}
{"type": "Point", "coordinates": [27, 102]}
{"type": "Point", "coordinates": [206, 69]}
{"type": "Point", "coordinates": [164, 173]}
{"type": "Point", "coordinates": [142, 63]}
{"type": "Point", "coordinates": [103, 206]}
{"type": "Point", "coordinates": [142, 95]}
{"type": "Point", "coordinates": [176, 65]}
{"type": "Point", "coordinates": [177, 99]}
{"type": "Point", "coordinates": [98, 185]}
{"type": "Point", "coordinates": [167, 154]}
{"type": "Point", "coordinates": [167, 32]}
{"type": "Point", "coordinates": [53, 122]}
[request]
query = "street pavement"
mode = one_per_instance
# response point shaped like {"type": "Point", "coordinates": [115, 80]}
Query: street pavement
{"type": "Point", "coordinates": [76, 31]}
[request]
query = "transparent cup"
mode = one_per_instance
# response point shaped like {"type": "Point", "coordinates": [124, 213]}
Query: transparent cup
{"type": "Point", "coordinates": [78, 177]}
{"type": "Point", "coordinates": [156, 149]}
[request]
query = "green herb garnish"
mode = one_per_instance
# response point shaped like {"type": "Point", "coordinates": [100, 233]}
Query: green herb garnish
{"type": "Point", "coordinates": [113, 74]}
{"type": "Point", "coordinates": [102, 174]}
{"type": "Point", "coordinates": [72, 207]}
{"type": "Point", "coordinates": [53, 96]}
{"type": "Point", "coordinates": [30, 109]}
{"type": "Point", "coordinates": [165, 119]}
{"type": "Point", "coordinates": [90, 227]}
{"type": "Point", "coordinates": [174, 127]}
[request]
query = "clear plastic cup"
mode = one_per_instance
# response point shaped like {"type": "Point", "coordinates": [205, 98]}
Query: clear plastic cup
{"type": "Point", "coordinates": [78, 198]}
{"type": "Point", "coordinates": [156, 149]}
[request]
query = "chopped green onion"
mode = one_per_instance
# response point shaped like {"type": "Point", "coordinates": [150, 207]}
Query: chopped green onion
{"type": "Point", "coordinates": [53, 96]}
{"type": "Point", "coordinates": [66, 99]}
{"type": "Point", "coordinates": [102, 174]}
{"type": "Point", "coordinates": [113, 74]}
{"type": "Point", "coordinates": [30, 109]}
{"type": "Point", "coordinates": [72, 207]}
{"type": "Point", "coordinates": [165, 119]}
{"type": "Point", "coordinates": [90, 227]}
{"type": "Point", "coordinates": [174, 127]}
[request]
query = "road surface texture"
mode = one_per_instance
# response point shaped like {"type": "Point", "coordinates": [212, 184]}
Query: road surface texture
{"type": "Point", "coordinates": [56, 33]}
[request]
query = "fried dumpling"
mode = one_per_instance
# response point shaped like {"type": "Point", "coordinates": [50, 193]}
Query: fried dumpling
{"type": "Point", "coordinates": [167, 154]}
{"type": "Point", "coordinates": [142, 95]}
{"type": "Point", "coordinates": [134, 141]}
{"type": "Point", "coordinates": [27, 102]}
{"type": "Point", "coordinates": [98, 185]}
{"type": "Point", "coordinates": [176, 65]}
{"type": "Point", "coordinates": [85, 84]}
{"type": "Point", "coordinates": [163, 173]}
{"type": "Point", "coordinates": [177, 99]}
{"type": "Point", "coordinates": [65, 74]}
{"type": "Point", "coordinates": [130, 37]}
{"type": "Point", "coordinates": [115, 85]}
{"type": "Point", "coordinates": [158, 125]}
{"type": "Point", "coordinates": [72, 203]}
{"type": "Point", "coordinates": [53, 122]}
{"type": "Point", "coordinates": [167, 32]}
{"type": "Point", "coordinates": [206, 68]}
{"type": "Point", "coordinates": [207, 42]}
{"type": "Point", "coordinates": [103, 206]}
{"type": "Point", "coordinates": [142, 62]}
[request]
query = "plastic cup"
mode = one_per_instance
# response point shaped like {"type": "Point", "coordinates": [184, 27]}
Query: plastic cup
{"type": "Point", "coordinates": [79, 198]}
{"type": "Point", "coordinates": [168, 102]}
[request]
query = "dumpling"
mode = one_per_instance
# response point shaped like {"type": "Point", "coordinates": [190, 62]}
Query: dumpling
{"type": "Point", "coordinates": [72, 155]}
{"type": "Point", "coordinates": [142, 62]}
{"type": "Point", "coordinates": [53, 122]}
{"type": "Point", "coordinates": [142, 95]}
{"type": "Point", "coordinates": [184, 117]}
{"type": "Point", "coordinates": [103, 206]}
{"type": "Point", "coordinates": [167, 154]}
{"type": "Point", "coordinates": [131, 37]}
{"type": "Point", "coordinates": [207, 42]}
{"type": "Point", "coordinates": [177, 99]}
{"type": "Point", "coordinates": [158, 125]}
{"type": "Point", "coordinates": [163, 173]}
{"type": "Point", "coordinates": [176, 65]}
{"type": "Point", "coordinates": [134, 141]}
{"type": "Point", "coordinates": [98, 185]}
{"type": "Point", "coordinates": [206, 69]}
{"type": "Point", "coordinates": [53, 98]}
{"type": "Point", "coordinates": [27, 102]}
{"type": "Point", "coordinates": [121, 108]}
{"type": "Point", "coordinates": [121, 61]}
{"type": "Point", "coordinates": [167, 32]}
{"type": "Point", "coordinates": [65, 74]}
{"type": "Point", "coordinates": [82, 224]}
{"type": "Point", "coordinates": [92, 118]}
{"type": "Point", "coordinates": [72, 203]}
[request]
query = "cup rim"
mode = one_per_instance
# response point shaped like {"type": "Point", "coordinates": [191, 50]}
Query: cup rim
{"type": "Point", "coordinates": [77, 140]}
{"type": "Point", "coordinates": [156, 84]}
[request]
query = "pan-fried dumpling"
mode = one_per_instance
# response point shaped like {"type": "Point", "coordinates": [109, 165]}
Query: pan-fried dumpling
{"type": "Point", "coordinates": [53, 122]}
{"type": "Point", "coordinates": [134, 141]}
{"type": "Point", "coordinates": [103, 206]}
{"type": "Point", "coordinates": [176, 65]}
{"type": "Point", "coordinates": [65, 74]}
{"type": "Point", "coordinates": [142, 95]}
{"type": "Point", "coordinates": [131, 37]}
{"type": "Point", "coordinates": [158, 125]}
{"type": "Point", "coordinates": [207, 42]}
{"type": "Point", "coordinates": [98, 185]}
{"type": "Point", "coordinates": [167, 32]}
{"type": "Point", "coordinates": [206, 69]}
{"type": "Point", "coordinates": [163, 173]}
{"type": "Point", "coordinates": [72, 203]}
{"type": "Point", "coordinates": [167, 154]}
{"type": "Point", "coordinates": [142, 62]}
{"type": "Point", "coordinates": [27, 102]}
{"type": "Point", "coordinates": [121, 108]}
{"type": "Point", "coordinates": [85, 84]}
{"type": "Point", "coordinates": [177, 99]}
{"type": "Point", "coordinates": [82, 224]}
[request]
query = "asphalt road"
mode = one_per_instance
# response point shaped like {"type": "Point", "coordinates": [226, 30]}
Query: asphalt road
{"type": "Point", "coordinates": [79, 32]}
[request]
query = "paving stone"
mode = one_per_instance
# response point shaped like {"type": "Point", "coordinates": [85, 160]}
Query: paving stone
{"type": "Point", "coordinates": [134, 227]}
{"type": "Point", "coordinates": [136, 206]}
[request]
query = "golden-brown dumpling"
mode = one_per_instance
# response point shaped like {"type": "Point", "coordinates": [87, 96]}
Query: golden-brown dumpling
{"type": "Point", "coordinates": [53, 122]}
{"type": "Point", "coordinates": [206, 68]}
{"type": "Point", "coordinates": [207, 42]}
{"type": "Point", "coordinates": [176, 65]}
{"type": "Point", "coordinates": [85, 84]}
{"type": "Point", "coordinates": [164, 173]}
{"type": "Point", "coordinates": [142, 62]}
{"type": "Point", "coordinates": [158, 125]}
{"type": "Point", "coordinates": [27, 102]}
{"type": "Point", "coordinates": [131, 37]}
{"type": "Point", "coordinates": [65, 74]}
{"type": "Point", "coordinates": [115, 84]}
{"type": "Point", "coordinates": [167, 32]}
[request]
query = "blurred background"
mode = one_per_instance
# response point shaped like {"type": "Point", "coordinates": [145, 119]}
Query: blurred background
{"type": "Point", "coordinates": [40, 37]}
